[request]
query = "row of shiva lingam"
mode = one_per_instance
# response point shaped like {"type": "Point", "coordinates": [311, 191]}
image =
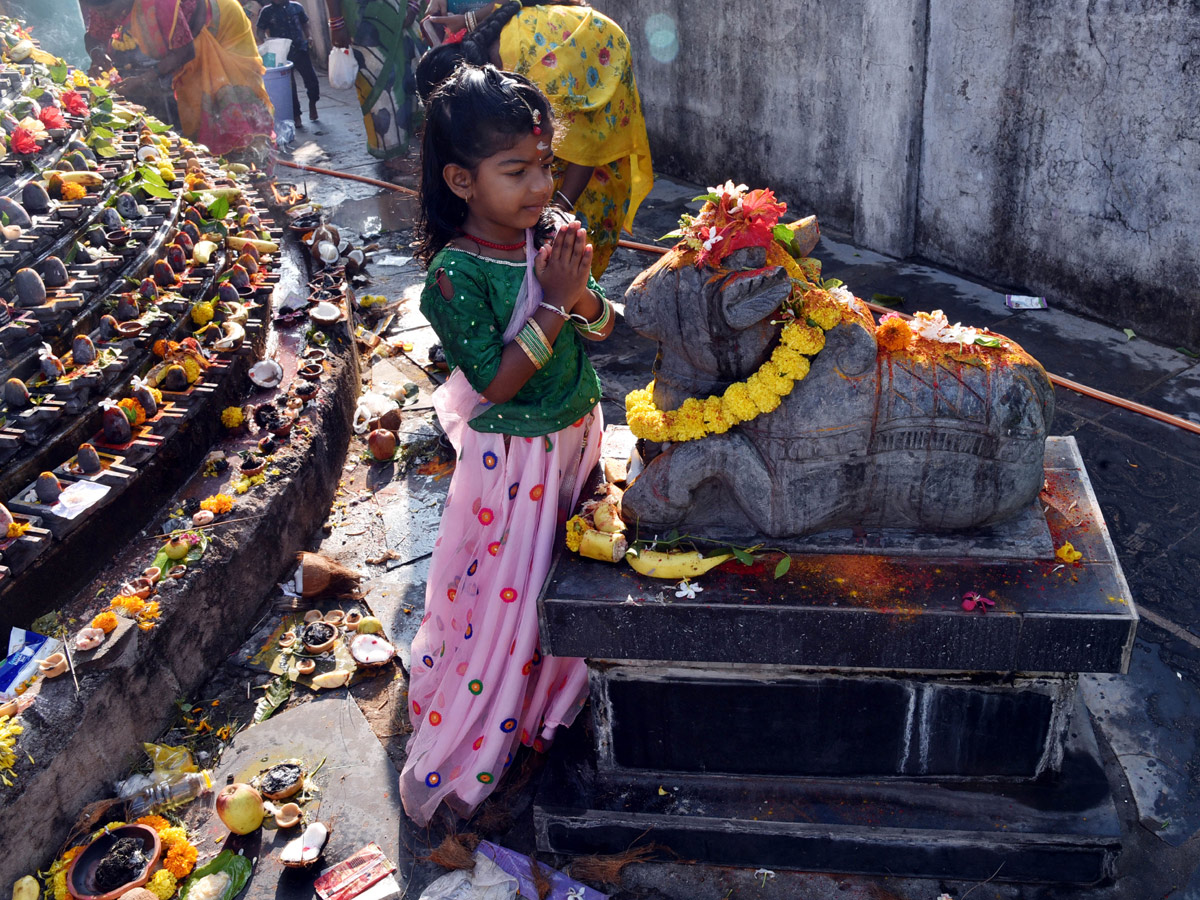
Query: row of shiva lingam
{"type": "Point", "coordinates": [193, 339]}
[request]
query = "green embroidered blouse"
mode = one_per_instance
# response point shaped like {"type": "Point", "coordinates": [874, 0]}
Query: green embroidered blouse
{"type": "Point", "coordinates": [471, 326]}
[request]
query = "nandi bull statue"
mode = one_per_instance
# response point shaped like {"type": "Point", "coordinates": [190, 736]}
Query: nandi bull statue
{"type": "Point", "coordinates": [779, 407]}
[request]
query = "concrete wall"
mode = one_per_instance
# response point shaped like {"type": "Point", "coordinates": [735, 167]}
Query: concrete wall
{"type": "Point", "coordinates": [1051, 147]}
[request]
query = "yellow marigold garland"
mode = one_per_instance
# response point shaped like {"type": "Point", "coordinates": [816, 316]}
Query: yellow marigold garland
{"type": "Point", "coordinates": [129, 604]}
{"type": "Point", "coordinates": [72, 192]}
{"type": "Point", "coordinates": [158, 823]}
{"type": "Point", "coordinates": [17, 529]}
{"type": "Point", "coordinates": [742, 400]}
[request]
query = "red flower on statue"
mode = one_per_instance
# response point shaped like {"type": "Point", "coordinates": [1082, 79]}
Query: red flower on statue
{"type": "Point", "coordinates": [23, 141]}
{"type": "Point", "coordinates": [51, 117]}
{"type": "Point", "coordinates": [74, 103]}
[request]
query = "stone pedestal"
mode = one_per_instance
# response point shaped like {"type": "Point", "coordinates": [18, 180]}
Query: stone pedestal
{"type": "Point", "coordinates": [851, 716]}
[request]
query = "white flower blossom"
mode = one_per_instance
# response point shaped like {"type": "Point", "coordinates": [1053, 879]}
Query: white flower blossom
{"type": "Point", "coordinates": [713, 239]}
{"type": "Point", "coordinates": [687, 589]}
{"type": "Point", "coordinates": [729, 189]}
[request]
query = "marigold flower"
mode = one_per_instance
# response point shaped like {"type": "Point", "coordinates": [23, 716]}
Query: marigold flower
{"type": "Point", "coordinates": [893, 334]}
{"type": "Point", "coordinates": [217, 503]}
{"type": "Point", "coordinates": [17, 529]}
{"type": "Point", "coordinates": [803, 338]}
{"type": "Point", "coordinates": [133, 410]}
{"type": "Point", "coordinates": [162, 885]}
{"type": "Point", "coordinates": [130, 604]}
{"type": "Point", "coordinates": [172, 835]}
{"type": "Point", "coordinates": [181, 859]}
{"type": "Point", "coordinates": [158, 823]}
{"type": "Point", "coordinates": [576, 529]}
{"type": "Point", "coordinates": [232, 416]}
{"type": "Point", "coordinates": [202, 312]}
{"type": "Point", "coordinates": [71, 191]}
{"type": "Point", "coordinates": [192, 368]}
{"type": "Point", "coordinates": [106, 622]}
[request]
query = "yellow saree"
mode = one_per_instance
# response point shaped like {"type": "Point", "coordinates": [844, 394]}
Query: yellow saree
{"type": "Point", "coordinates": [222, 101]}
{"type": "Point", "coordinates": [581, 61]}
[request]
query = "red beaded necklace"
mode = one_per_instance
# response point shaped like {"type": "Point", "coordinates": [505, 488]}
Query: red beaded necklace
{"type": "Point", "coordinates": [520, 245]}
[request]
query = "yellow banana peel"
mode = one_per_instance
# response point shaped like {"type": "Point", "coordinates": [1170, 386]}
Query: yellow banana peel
{"type": "Point", "coordinates": [673, 565]}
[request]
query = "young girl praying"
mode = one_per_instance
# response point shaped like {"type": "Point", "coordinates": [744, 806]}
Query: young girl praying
{"type": "Point", "coordinates": [510, 295]}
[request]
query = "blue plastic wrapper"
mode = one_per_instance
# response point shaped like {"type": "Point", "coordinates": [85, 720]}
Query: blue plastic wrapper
{"type": "Point", "coordinates": [25, 648]}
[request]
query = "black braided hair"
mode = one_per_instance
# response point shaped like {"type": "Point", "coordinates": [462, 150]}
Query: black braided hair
{"type": "Point", "coordinates": [437, 64]}
{"type": "Point", "coordinates": [476, 112]}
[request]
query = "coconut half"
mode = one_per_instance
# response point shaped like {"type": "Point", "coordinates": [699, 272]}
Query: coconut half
{"type": "Point", "coordinates": [304, 850]}
{"type": "Point", "coordinates": [267, 373]}
{"type": "Point", "coordinates": [325, 313]}
{"type": "Point", "coordinates": [371, 650]}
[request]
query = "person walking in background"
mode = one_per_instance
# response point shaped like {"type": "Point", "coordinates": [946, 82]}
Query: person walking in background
{"type": "Point", "coordinates": [581, 61]}
{"type": "Point", "coordinates": [206, 54]}
{"type": "Point", "coordinates": [287, 19]}
{"type": "Point", "coordinates": [384, 37]}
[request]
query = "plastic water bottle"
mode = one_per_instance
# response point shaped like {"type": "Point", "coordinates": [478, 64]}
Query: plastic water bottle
{"type": "Point", "coordinates": [170, 794]}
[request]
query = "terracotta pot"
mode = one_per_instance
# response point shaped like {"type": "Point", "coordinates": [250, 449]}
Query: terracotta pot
{"type": "Point", "coordinates": [81, 876]}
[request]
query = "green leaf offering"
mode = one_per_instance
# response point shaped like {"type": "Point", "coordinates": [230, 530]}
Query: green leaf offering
{"type": "Point", "coordinates": [887, 299]}
{"type": "Point", "coordinates": [219, 208]}
{"type": "Point", "coordinates": [742, 556]}
{"type": "Point", "coordinates": [156, 190]}
{"type": "Point", "coordinates": [1129, 335]}
{"type": "Point", "coordinates": [236, 866]}
{"type": "Point", "coordinates": [983, 341]}
{"type": "Point", "coordinates": [275, 696]}
{"type": "Point", "coordinates": [58, 74]}
{"type": "Point", "coordinates": [783, 566]}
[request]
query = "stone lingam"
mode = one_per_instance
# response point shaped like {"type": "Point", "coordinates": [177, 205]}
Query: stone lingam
{"type": "Point", "coordinates": [896, 692]}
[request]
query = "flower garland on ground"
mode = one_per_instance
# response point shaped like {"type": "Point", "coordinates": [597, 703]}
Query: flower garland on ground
{"type": "Point", "coordinates": [9, 729]}
{"type": "Point", "coordinates": [733, 218]}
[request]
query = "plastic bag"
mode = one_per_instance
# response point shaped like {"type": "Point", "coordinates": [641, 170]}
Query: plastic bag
{"type": "Point", "coordinates": [487, 881]}
{"type": "Point", "coordinates": [343, 68]}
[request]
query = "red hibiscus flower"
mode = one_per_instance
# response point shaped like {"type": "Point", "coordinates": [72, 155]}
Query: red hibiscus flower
{"type": "Point", "coordinates": [603, 56]}
{"type": "Point", "coordinates": [51, 117]}
{"type": "Point", "coordinates": [23, 141]}
{"type": "Point", "coordinates": [550, 60]}
{"type": "Point", "coordinates": [74, 103]}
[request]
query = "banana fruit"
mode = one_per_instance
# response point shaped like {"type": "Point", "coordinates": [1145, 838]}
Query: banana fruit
{"type": "Point", "coordinates": [85, 178]}
{"type": "Point", "coordinates": [602, 545]}
{"type": "Point", "coordinates": [240, 243]}
{"type": "Point", "coordinates": [673, 565]}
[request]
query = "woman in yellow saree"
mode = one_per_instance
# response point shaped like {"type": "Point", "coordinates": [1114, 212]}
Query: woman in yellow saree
{"type": "Point", "coordinates": [581, 61]}
{"type": "Point", "coordinates": [206, 53]}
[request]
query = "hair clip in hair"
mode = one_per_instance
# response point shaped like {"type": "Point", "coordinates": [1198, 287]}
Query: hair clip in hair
{"type": "Point", "coordinates": [537, 120]}
{"type": "Point", "coordinates": [454, 37]}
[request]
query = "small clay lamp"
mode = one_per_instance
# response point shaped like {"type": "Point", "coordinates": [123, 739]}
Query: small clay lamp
{"type": "Point", "coordinates": [289, 816]}
{"type": "Point", "coordinates": [81, 876]}
{"type": "Point", "coordinates": [318, 637]}
{"type": "Point", "coordinates": [252, 465]}
{"type": "Point", "coordinates": [130, 329]}
{"type": "Point", "coordinates": [350, 623]}
{"type": "Point", "coordinates": [287, 639]}
{"type": "Point", "coordinates": [53, 665]}
{"type": "Point", "coordinates": [154, 573]}
{"type": "Point", "coordinates": [313, 615]}
{"type": "Point", "coordinates": [177, 571]}
{"type": "Point", "coordinates": [314, 354]}
{"type": "Point", "coordinates": [281, 781]}
{"type": "Point", "coordinates": [334, 617]}
{"type": "Point", "coordinates": [311, 371]}
{"type": "Point", "coordinates": [306, 666]}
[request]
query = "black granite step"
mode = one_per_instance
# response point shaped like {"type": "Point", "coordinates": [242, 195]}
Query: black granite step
{"type": "Point", "coordinates": [1062, 829]}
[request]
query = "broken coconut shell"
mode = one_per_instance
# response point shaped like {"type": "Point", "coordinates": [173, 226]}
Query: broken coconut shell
{"type": "Point", "coordinates": [306, 849]}
{"type": "Point", "coordinates": [319, 575]}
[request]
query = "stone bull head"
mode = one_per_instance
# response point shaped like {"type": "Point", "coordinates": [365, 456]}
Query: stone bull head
{"type": "Point", "coordinates": [868, 439]}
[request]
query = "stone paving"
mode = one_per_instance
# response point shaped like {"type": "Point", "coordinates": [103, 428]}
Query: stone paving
{"type": "Point", "coordinates": [1143, 472]}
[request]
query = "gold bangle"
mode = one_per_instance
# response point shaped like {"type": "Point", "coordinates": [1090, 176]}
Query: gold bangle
{"type": "Point", "coordinates": [541, 334]}
{"type": "Point", "coordinates": [533, 359]}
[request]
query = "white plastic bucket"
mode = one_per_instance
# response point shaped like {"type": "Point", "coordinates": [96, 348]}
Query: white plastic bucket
{"type": "Point", "coordinates": [278, 82]}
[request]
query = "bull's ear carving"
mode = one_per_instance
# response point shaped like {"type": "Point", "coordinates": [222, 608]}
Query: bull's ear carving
{"type": "Point", "coordinates": [748, 298]}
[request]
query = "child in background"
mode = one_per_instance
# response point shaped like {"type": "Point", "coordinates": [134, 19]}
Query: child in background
{"type": "Point", "coordinates": [513, 302]}
{"type": "Point", "coordinates": [287, 19]}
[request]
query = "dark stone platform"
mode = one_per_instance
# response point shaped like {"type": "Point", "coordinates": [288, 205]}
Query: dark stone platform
{"type": "Point", "coordinates": [1061, 829]}
{"type": "Point", "coordinates": [850, 716]}
{"type": "Point", "coordinates": [869, 610]}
